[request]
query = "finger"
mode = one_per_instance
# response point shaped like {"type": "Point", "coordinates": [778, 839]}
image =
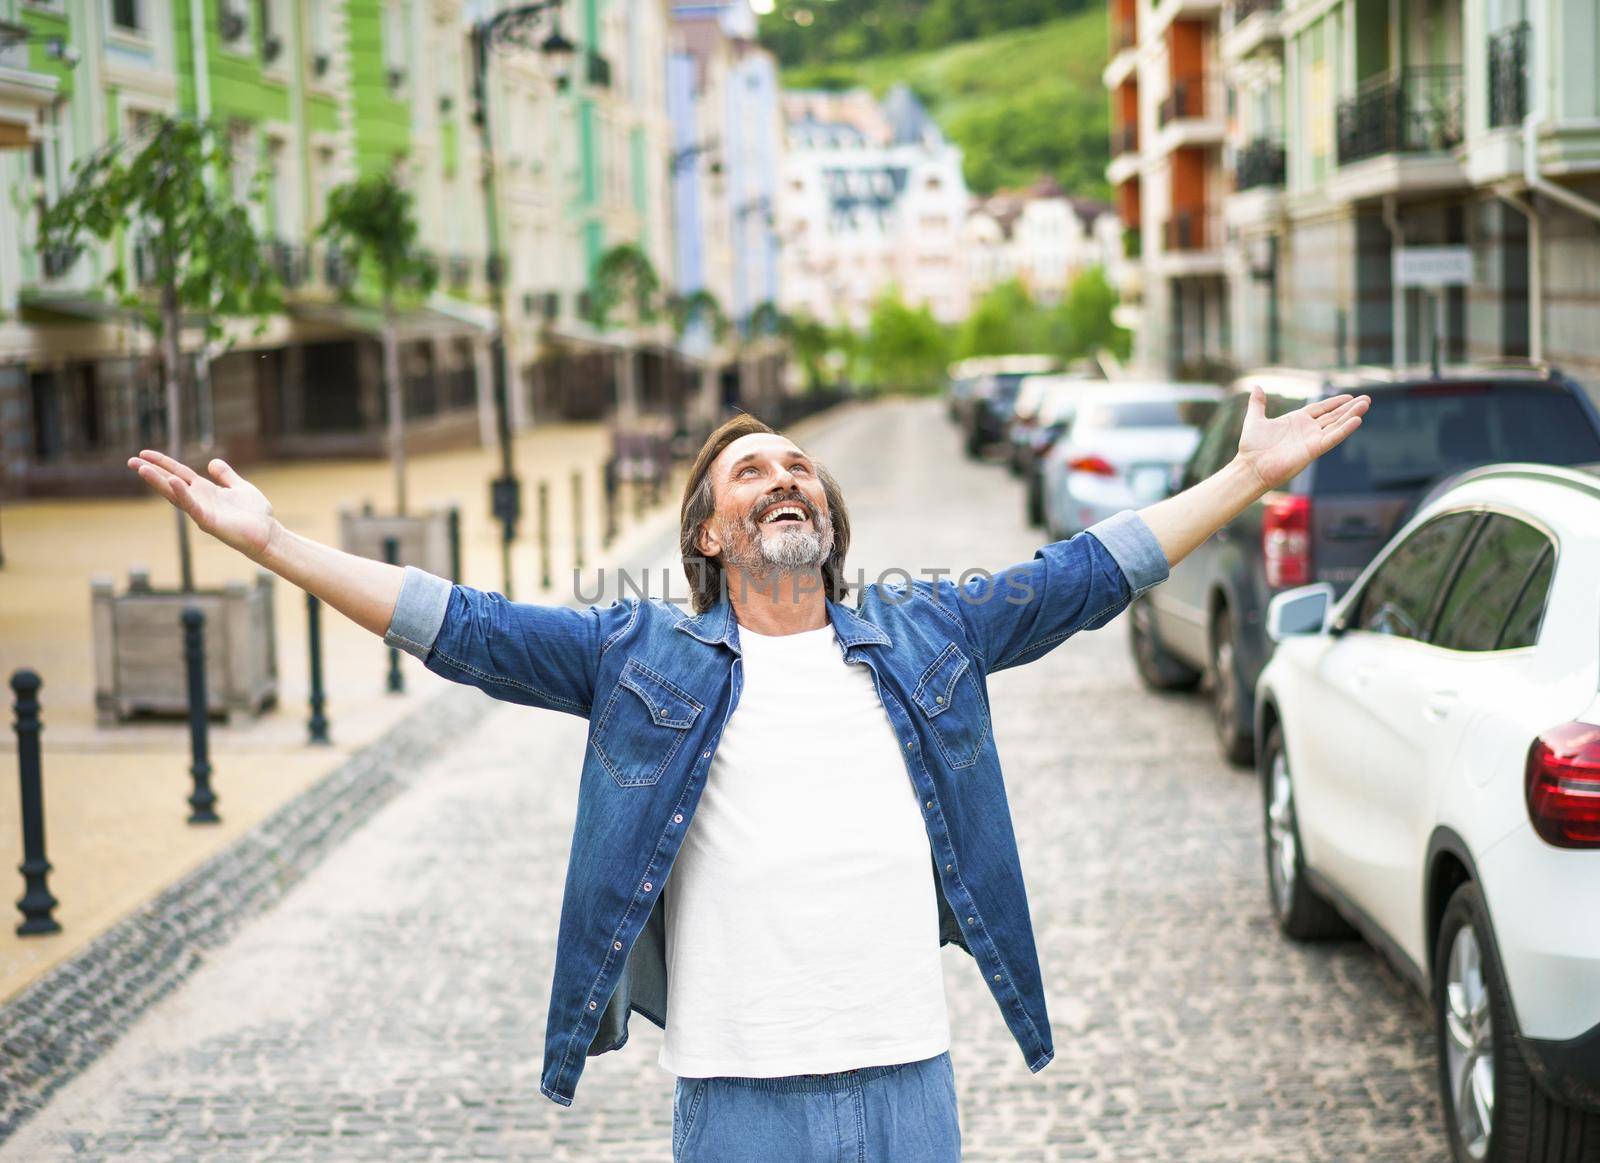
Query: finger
{"type": "Point", "coordinates": [222, 472]}
{"type": "Point", "coordinates": [157, 478]}
{"type": "Point", "coordinates": [176, 467]}
{"type": "Point", "coordinates": [1354, 407]}
{"type": "Point", "coordinates": [1332, 437]}
{"type": "Point", "coordinates": [1257, 406]}
{"type": "Point", "coordinates": [1322, 407]}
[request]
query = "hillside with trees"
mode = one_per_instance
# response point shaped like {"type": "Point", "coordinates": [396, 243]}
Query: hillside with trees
{"type": "Point", "coordinates": [1015, 84]}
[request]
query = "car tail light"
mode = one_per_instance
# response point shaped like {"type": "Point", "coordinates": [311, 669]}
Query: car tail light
{"type": "Point", "coordinates": [1564, 785]}
{"type": "Point", "coordinates": [1098, 465]}
{"type": "Point", "coordinates": [1286, 539]}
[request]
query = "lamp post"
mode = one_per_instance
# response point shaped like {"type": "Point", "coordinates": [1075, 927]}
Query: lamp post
{"type": "Point", "coordinates": [514, 28]}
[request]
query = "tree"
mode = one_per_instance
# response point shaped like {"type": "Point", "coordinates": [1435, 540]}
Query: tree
{"type": "Point", "coordinates": [1003, 323]}
{"type": "Point", "coordinates": [624, 277]}
{"type": "Point", "coordinates": [905, 347]}
{"type": "Point", "coordinates": [196, 250]}
{"type": "Point", "coordinates": [700, 306]}
{"type": "Point", "coordinates": [371, 221]}
{"type": "Point", "coordinates": [1087, 311]}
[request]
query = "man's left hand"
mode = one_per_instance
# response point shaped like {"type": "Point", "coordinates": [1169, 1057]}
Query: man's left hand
{"type": "Point", "coordinates": [1279, 448]}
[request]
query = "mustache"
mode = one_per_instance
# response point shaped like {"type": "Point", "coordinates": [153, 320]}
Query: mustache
{"type": "Point", "coordinates": [811, 512]}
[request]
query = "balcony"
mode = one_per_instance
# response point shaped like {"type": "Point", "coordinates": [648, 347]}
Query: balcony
{"type": "Point", "coordinates": [1248, 26]}
{"type": "Point", "coordinates": [459, 271]}
{"type": "Point", "coordinates": [1508, 75]}
{"type": "Point", "coordinates": [1124, 140]}
{"type": "Point", "coordinates": [1124, 33]}
{"type": "Point", "coordinates": [1124, 154]}
{"type": "Point", "coordinates": [598, 70]}
{"type": "Point", "coordinates": [1186, 100]}
{"type": "Point", "coordinates": [1418, 110]}
{"type": "Point", "coordinates": [1193, 113]}
{"type": "Point", "coordinates": [1262, 162]}
{"type": "Point", "coordinates": [288, 262]}
{"type": "Point", "coordinates": [1190, 230]}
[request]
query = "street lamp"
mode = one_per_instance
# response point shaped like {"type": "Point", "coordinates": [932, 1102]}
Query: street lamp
{"type": "Point", "coordinates": [510, 28]}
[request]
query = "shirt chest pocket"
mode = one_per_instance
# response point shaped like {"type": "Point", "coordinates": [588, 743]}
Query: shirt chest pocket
{"type": "Point", "coordinates": [949, 698]}
{"type": "Point", "coordinates": [642, 725]}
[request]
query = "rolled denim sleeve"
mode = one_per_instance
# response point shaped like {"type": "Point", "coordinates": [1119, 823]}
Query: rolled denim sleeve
{"type": "Point", "coordinates": [1024, 611]}
{"type": "Point", "coordinates": [538, 655]}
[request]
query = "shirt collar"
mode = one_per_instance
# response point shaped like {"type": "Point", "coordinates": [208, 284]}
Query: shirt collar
{"type": "Point", "coordinates": [719, 625]}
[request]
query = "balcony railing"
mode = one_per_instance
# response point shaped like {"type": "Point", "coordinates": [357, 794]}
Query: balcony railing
{"type": "Point", "coordinates": [288, 262]}
{"type": "Point", "coordinates": [1508, 75]}
{"type": "Point", "coordinates": [1244, 9]}
{"type": "Point", "coordinates": [1417, 110]}
{"type": "Point", "coordinates": [459, 269]}
{"type": "Point", "coordinates": [1191, 230]}
{"type": "Point", "coordinates": [1190, 97]}
{"type": "Point", "coordinates": [1124, 33]}
{"type": "Point", "coordinates": [1263, 162]}
{"type": "Point", "coordinates": [1124, 139]}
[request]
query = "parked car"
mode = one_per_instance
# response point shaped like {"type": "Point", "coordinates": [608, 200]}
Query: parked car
{"type": "Point", "coordinates": [1032, 396]}
{"type": "Point", "coordinates": [964, 377]}
{"type": "Point", "coordinates": [1121, 449]}
{"type": "Point", "coordinates": [1205, 623]}
{"type": "Point", "coordinates": [987, 415]}
{"type": "Point", "coordinates": [1055, 414]}
{"type": "Point", "coordinates": [1430, 776]}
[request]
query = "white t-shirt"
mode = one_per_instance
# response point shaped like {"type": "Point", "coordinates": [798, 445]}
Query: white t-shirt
{"type": "Point", "coordinates": [802, 926]}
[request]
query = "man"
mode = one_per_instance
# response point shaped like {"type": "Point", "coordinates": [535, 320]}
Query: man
{"type": "Point", "coordinates": [837, 764]}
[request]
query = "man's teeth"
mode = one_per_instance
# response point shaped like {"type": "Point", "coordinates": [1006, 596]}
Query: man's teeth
{"type": "Point", "coordinates": [781, 510]}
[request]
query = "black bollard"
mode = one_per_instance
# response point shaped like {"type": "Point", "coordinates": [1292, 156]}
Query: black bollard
{"type": "Point", "coordinates": [453, 516]}
{"type": "Point", "coordinates": [577, 519]}
{"type": "Point", "coordinates": [608, 484]}
{"type": "Point", "coordinates": [36, 901]}
{"type": "Point", "coordinates": [318, 723]}
{"type": "Point", "coordinates": [202, 800]}
{"type": "Point", "coordinates": [397, 681]}
{"type": "Point", "coordinates": [544, 535]}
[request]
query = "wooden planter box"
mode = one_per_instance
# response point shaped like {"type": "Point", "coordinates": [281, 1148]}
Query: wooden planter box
{"type": "Point", "coordinates": [430, 540]}
{"type": "Point", "coordinates": [138, 648]}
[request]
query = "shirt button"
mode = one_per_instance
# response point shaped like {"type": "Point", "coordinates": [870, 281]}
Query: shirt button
{"type": "Point", "coordinates": [618, 944]}
{"type": "Point", "coordinates": [969, 920]}
{"type": "Point", "coordinates": [997, 977]}
{"type": "Point", "coordinates": [591, 1005]}
{"type": "Point", "coordinates": [705, 755]}
{"type": "Point", "coordinates": [647, 886]}
{"type": "Point", "coordinates": [678, 818]}
{"type": "Point", "coordinates": [938, 698]}
{"type": "Point", "coordinates": [930, 803]}
{"type": "Point", "coordinates": [910, 743]}
{"type": "Point", "coordinates": [948, 867]}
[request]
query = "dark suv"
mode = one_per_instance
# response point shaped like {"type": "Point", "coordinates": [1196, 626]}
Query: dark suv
{"type": "Point", "coordinates": [1207, 621]}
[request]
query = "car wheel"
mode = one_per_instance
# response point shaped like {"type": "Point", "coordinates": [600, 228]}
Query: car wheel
{"type": "Point", "coordinates": [1158, 670]}
{"type": "Point", "coordinates": [974, 446]}
{"type": "Point", "coordinates": [1228, 697]}
{"type": "Point", "coordinates": [1494, 1112]}
{"type": "Point", "coordinates": [1300, 912]}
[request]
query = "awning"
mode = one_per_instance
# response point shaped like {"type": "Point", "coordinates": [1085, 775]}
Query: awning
{"type": "Point", "coordinates": [36, 306]}
{"type": "Point", "coordinates": [428, 321]}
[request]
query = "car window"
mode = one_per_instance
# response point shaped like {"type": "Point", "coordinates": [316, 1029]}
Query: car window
{"type": "Point", "coordinates": [1412, 436]}
{"type": "Point", "coordinates": [1488, 583]}
{"type": "Point", "coordinates": [1148, 414]}
{"type": "Point", "coordinates": [1220, 437]}
{"type": "Point", "coordinates": [1400, 595]}
{"type": "Point", "coordinates": [1522, 628]}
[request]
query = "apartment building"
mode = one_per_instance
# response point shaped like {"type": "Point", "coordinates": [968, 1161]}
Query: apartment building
{"type": "Point", "coordinates": [314, 93]}
{"type": "Point", "coordinates": [1040, 236]}
{"type": "Point", "coordinates": [1358, 128]}
{"type": "Point", "coordinates": [872, 196]}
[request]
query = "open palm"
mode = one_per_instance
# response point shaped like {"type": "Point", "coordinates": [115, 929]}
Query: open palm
{"type": "Point", "coordinates": [1280, 447]}
{"type": "Point", "coordinates": [228, 507]}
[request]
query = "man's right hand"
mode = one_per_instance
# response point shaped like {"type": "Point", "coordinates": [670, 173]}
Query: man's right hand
{"type": "Point", "coordinates": [228, 507]}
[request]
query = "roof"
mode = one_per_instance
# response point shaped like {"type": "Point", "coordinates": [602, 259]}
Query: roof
{"type": "Point", "coordinates": [909, 123]}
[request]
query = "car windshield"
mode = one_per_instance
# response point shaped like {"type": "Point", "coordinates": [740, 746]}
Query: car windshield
{"type": "Point", "coordinates": [1411, 437]}
{"type": "Point", "coordinates": [1177, 413]}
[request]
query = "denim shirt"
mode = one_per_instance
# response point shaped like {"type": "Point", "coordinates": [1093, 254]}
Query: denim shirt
{"type": "Point", "coordinates": [657, 686]}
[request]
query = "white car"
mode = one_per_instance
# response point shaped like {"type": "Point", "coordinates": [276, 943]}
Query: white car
{"type": "Point", "coordinates": [1430, 773]}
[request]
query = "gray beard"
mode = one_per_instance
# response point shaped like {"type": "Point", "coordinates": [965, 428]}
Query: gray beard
{"type": "Point", "coordinates": [785, 551]}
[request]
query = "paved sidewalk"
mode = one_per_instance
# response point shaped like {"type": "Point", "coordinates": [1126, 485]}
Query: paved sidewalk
{"type": "Point", "coordinates": [115, 797]}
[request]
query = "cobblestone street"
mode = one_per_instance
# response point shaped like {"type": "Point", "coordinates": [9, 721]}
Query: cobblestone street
{"type": "Point", "coordinates": [392, 1005]}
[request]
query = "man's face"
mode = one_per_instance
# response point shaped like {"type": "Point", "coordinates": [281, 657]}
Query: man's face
{"type": "Point", "coordinates": [772, 511]}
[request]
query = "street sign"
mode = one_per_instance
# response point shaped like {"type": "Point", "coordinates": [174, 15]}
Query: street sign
{"type": "Point", "coordinates": [1433, 266]}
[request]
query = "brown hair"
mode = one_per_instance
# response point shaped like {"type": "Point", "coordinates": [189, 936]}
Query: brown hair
{"type": "Point", "coordinates": [700, 504]}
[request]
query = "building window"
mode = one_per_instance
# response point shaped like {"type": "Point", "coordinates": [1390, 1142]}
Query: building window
{"type": "Point", "coordinates": [127, 15]}
{"type": "Point", "coordinates": [233, 23]}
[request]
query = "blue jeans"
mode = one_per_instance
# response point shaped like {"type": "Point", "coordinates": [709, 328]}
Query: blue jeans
{"type": "Point", "coordinates": [877, 1114]}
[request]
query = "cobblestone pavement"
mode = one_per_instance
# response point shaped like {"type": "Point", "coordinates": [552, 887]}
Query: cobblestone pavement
{"type": "Point", "coordinates": [391, 1006]}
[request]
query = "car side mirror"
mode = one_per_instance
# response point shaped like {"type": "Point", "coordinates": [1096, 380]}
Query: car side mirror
{"type": "Point", "coordinates": [1302, 610]}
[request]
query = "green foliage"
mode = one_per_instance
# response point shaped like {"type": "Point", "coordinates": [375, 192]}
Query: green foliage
{"type": "Point", "coordinates": [624, 276]}
{"type": "Point", "coordinates": [371, 220]}
{"type": "Point", "coordinates": [842, 30]}
{"type": "Point", "coordinates": [905, 348]}
{"type": "Point", "coordinates": [1008, 321]}
{"type": "Point", "coordinates": [765, 319]}
{"type": "Point", "coordinates": [201, 253]}
{"type": "Point", "coordinates": [1018, 103]}
{"type": "Point", "coordinates": [701, 304]}
{"type": "Point", "coordinates": [824, 352]}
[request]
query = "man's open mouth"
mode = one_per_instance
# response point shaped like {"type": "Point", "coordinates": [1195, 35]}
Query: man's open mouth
{"type": "Point", "coordinates": [784, 514]}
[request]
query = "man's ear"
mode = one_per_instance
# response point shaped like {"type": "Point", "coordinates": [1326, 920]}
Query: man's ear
{"type": "Point", "coordinates": [708, 542]}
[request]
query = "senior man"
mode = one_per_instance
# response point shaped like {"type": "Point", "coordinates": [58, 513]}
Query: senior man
{"type": "Point", "coordinates": [816, 783]}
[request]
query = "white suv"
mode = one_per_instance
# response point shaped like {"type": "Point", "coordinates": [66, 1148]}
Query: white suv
{"type": "Point", "coordinates": [1430, 775]}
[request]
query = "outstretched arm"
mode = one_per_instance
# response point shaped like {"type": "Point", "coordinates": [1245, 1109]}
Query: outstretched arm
{"type": "Point", "coordinates": [1270, 453]}
{"type": "Point", "coordinates": [235, 512]}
